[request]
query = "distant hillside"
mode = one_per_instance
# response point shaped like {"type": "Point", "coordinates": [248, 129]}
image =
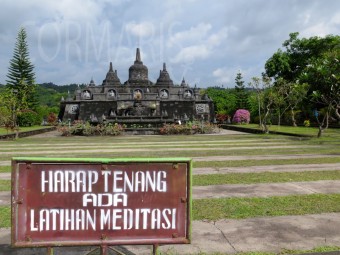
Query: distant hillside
{"type": "Point", "coordinates": [60, 88]}
{"type": "Point", "coordinates": [50, 94]}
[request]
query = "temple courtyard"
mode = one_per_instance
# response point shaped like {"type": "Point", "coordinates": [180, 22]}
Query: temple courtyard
{"type": "Point", "coordinates": [251, 193]}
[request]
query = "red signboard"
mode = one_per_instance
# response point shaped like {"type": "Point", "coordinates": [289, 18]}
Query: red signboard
{"type": "Point", "coordinates": [100, 202]}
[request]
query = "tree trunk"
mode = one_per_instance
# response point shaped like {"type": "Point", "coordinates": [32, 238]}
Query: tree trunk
{"type": "Point", "coordinates": [321, 125]}
{"type": "Point", "coordinates": [320, 131]}
{"type": "Point", "coordinates": [258, 99]}
{"type": "Point", "coordinates": [265, 127]}
{"type": "Point", "coordinates": [337, 114]}
{"type": "Point", "coordinates": [293, 117]}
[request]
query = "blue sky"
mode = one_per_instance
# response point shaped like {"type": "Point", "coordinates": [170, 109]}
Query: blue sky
{"type": "Point", "coordinates": [207, 42]}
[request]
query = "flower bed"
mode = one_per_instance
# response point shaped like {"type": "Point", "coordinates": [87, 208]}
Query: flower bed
{"type": "Point", "coordinates": [188, 128]}
{"type": "Point", "coordinates": [86, 129]}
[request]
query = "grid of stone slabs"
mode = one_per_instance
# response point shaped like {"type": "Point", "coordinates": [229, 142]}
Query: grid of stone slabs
{"type": "Point", "coordinates": [256, 234]}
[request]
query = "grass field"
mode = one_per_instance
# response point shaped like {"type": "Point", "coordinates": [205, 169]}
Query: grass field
{"type": "Point", "coordinates": [4, 131]}
{"type": "Point", "coordinates": [237, 151]}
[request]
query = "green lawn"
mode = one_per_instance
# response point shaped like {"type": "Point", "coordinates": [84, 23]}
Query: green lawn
{"type": "Point", "coordinates": [5, 219]}
{"type": "Point", "coordinates": [266, 162]}
{"type": "Point", "coordinates": [266, 177]}
{"type": "Point", "coordinates": [282, 252]}
{"type": "Point", "coordinates": [5, 169]}
{"type": "Point", "coordinates": [212, 145]}
{"type": "Point", "coordinates": [312, 131]}
{"type": "Point", "coordinates": [225, 145]}
{"type": "Point", "coordinates": [5, 185]}
{"type": "Point", "coordinates": [4, 131]}
{"type": "Point", "coordinates": [241, 208]}
{"type": "Point", "coordinates": [245, 178]}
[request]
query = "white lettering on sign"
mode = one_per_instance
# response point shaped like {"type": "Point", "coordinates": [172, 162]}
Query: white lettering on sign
{"type": "Point", "coordinates": [110, 219]}
{"type": "Point", "coordinates": [138, 181]}
{"type": "Point", "coordinates": [83, 181]}
{"type": "Point", "coordinates": [63, 219]}
{"type": "Point", "coordinates": [104, 201]}
{"type": "Point", "coordinates": [68, 181]}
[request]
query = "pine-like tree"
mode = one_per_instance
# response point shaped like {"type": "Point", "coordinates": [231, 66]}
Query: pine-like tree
{"type": "Point", "coordinates": [240, 92]}
{"type": "Point", "coordinates": [21, 73]}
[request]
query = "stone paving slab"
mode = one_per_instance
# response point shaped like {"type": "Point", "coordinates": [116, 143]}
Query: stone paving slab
{"type": "Point", "coordinates": [5, 163]}
{"type": "Point", "coordinates": [264, 157]}
{"type": "Point", "coordinates": [132, 146]}
{"type": "Point", "coordinates": [266, 189]}
{"type": "Point", "coordinates": [87, 151]}
{"type": "Point", "coordinates": [266, 234]}
{"type": "Point", "coordinates": [247, 190]}
{"type": "Point", "coordinates": [271, 168]}
{"type": "Point", "coordinates": [250, 169]}
{"type": "Point", "coordinates": [5, 198]}
{"type": "Point", "coordinates": [234, 158]}
{"type": "Point", "coordinates": [5, 176]}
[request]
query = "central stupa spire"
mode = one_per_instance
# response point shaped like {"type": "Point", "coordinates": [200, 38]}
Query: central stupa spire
{"type": "Point", "coordinates": [138, 73]}
{"type": "Point", "coordinates": [138, 58]}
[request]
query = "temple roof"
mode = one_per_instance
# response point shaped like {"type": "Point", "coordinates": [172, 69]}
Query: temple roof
{"type": "Point", "coordinates": [183, 84]}
{"type": "Point", "coordinates": [138, 58]}
{"type": "Point", "coordinates": [164, 77]}
{"type": "Point", "coordinates": [92, 83]}
{"type": "Point", "coordinates": [138, 72]}
{"type": "Point", "coordinates": [111, 77]}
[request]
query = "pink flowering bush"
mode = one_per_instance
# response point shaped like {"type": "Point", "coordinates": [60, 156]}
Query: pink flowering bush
{"type": "Point", "coordinates": [241, 116]}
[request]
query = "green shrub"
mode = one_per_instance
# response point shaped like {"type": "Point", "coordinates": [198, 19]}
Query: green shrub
{"type": "Point", "coordinates": [113, 129]}
{"type": "Point", "coordinates": [27, 118]}
{"type": "Point", "coordinates": [189, 128]}
{"type": "Point", "coordinates": [86, 129]}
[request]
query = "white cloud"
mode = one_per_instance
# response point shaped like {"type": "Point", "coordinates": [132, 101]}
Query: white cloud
{"type": "Point", "coordinates": [193, 35]}
{"type": "Point", "coordinates": [70, 41]}
{"type": "Point", "coordinates": [226, 75]}
{"type": "Point", "coordinates": [191, 53]}
{"type": "Point", "coordinates": [222, 75]}
{"type": "Point", "coordinates": [143, 29]}
{"type": "Point", "coordinates": [201, 43]}
{"type": "Point", "coordinates": [217, 38]}
{"type": "Point", "coordinates": [322, 28]}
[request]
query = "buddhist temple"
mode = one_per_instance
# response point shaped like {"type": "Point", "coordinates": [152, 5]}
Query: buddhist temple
{"type": "Point", "coordinates": [137, 100]}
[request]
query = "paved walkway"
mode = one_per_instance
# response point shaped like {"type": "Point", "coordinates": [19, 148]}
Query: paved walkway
{"type": "Point", "coordinates": [250, 169]}
{"type": "Point", "coordinates": [73, 151]}
{"type": "Point", "coordinates": [231, 236]}
{"type": "Point", "coordinates": [244, 190]}
{"type": "Point", "coordinates": [266, 189]}
{"type": "Point", "coordinates": [271, 234]}
{"type": "Point", "coordinates": [264, 157]}
{"type": "Point", "coordinates": [234, 158]}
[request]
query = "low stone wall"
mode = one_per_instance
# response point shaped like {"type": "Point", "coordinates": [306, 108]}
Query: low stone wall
{"type": "Point", "coordinates": [258, 131]}
{"type": "Point", "coordinates": [27, 133]}
{"type": "Point", "coordinates": [141, 131]}
{"type": "Point", "coordinates": [241, 129]}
